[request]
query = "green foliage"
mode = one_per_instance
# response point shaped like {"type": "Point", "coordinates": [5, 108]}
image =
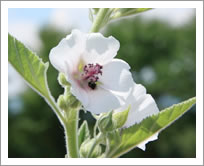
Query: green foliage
{"type": "Point", "coordinates": [33, 130]}
{"type": "Point", "coordinates": [28, 65]}
{"type": "Point", "coordinates": [83, 133]}
{"type": "Point", "coordinates": [32, 69]}
{"type": "Point", "coordinates": [133, 136]}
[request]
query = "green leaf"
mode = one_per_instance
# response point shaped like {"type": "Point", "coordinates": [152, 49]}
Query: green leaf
{"type": "Point", "coordinates": [32, 69]}
{"type": "Point", "coordinates": [134, 135]}
{"type": "Point", "coordinates": [83, 133]}
{"type": "Point", "coordinates": [28, 65]}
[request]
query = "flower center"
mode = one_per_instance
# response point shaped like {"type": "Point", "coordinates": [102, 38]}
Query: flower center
{"type": "Point", "coordinates": [90, 73]}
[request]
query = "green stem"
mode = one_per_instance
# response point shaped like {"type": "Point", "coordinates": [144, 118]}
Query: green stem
{"type": "Point", "coordinates": [52, 103]}
{"type": "Point", "coordinates": [98, 22]}
{"type": "Point", "coordinates": [71, 127]}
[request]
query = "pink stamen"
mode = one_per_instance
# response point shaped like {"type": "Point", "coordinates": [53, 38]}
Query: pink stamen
{"type": "Point", "coordinates": [91, 72]}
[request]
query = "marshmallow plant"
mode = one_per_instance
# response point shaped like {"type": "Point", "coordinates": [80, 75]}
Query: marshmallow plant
{"type": "Point", "coordinates": [95, 80]}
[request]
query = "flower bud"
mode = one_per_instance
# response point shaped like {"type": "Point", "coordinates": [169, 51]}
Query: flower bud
{"type": "Point", "coordinates": [62, 80]}
{"type": "Point", "coordinates": [105, 122]}
{"type": "Point", "coordinates": [61, 102]}
{"type": "Point", "coordinates": [86, 147]}
{"type": "Point", "coordinates": [119, 118]}
{"type": "Point", "coordinates": [71, 100]}
{"type": "Point", "coordinates": [67, 101]}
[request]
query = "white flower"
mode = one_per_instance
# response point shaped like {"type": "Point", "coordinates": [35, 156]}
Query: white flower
{"type": "Point", "coordinates": [141, 106]}
{"type": "Point", "coordinates": [100, 82]}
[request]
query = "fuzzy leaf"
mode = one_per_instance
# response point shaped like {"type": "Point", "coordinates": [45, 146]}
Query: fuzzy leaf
{"type": "Point", "coordinates": [32, 69]}
{"type": "Point", "coordinates": [139, 133]}
{"type": "Point", "coordinates": [28, 65]}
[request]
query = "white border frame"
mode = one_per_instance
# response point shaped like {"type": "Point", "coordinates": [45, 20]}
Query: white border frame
{"type": "Point", "coordinates": [108, 4]}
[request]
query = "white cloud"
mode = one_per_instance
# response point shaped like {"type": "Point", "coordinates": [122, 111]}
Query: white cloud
{"type": "Point", "coordinates": [16, 85]}
{"type": "Point", "coordinates": [27, 33]}
{"type": "Point", "coordinates": [61, 19]}
{"type": "Point", "coordinates": [175, 16]}
{"type": "Point", "coordinates": [64, 19]}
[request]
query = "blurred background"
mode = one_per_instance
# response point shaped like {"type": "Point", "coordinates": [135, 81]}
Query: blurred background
{"type": "Point", "coordinates": [159, 45]}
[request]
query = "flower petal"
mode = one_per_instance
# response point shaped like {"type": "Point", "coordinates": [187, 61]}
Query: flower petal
{"type": "Point", "coordinates": [142, 108]}
{"type": "Point", "coordinates": [101, 100]}
{"type": "Point", "coordinates": [116, 76]}
{"type": "Point", "coordinates": [141, 105]}
{"type": "Point", "coordinates": [80, 94]}
{"type": "Point", "coordinates": [68, 51]}
{"type": "Point", "coordinates": [101, 49]}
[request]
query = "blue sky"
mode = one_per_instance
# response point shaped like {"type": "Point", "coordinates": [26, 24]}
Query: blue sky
{"type": "Point", "coordinates": [38, 15]}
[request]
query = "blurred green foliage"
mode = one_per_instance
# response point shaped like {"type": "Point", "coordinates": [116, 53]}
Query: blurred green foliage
{"type": "Point", "coordinates": [162, 58]}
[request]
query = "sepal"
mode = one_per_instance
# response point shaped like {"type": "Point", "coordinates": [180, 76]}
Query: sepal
{"type": "Point", "coordinates": [83, 133]}
{"type": "Point", "coordinates": [105, 123]}
{"type": "Point", "coordinates": [119, 118]}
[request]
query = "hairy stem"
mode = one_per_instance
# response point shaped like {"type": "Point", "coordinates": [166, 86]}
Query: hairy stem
{"type": "Point", "coordinates": [56, 109]}
{"type": "Point", "coordinates": [98, 22]}
{"type": "Point", "coordinates": [71, 128]}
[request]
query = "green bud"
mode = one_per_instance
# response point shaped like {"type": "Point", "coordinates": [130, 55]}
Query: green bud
{"type": "Point", "coordinates": [71, 100]}
{"type": "Point", "coordinates": [119, 118]}
{"type": "Point", "coordinates": [67, 101]}
{"type": "Point", "coordinates": [86, 147]}
{"type": "Point", "coordinates": [62, 80]}
{"type": "Point", "coordinates": [105, 122]}
{"type": "Point", "coordinates": [111, 121]}
{"type": "Point", "coordinates": [61, 102]}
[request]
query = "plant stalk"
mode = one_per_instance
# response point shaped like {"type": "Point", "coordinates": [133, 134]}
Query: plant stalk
{"type": "Point", "coordinates": [98, 22]}
{"type": "Point", "coordinates": [71, 128]}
